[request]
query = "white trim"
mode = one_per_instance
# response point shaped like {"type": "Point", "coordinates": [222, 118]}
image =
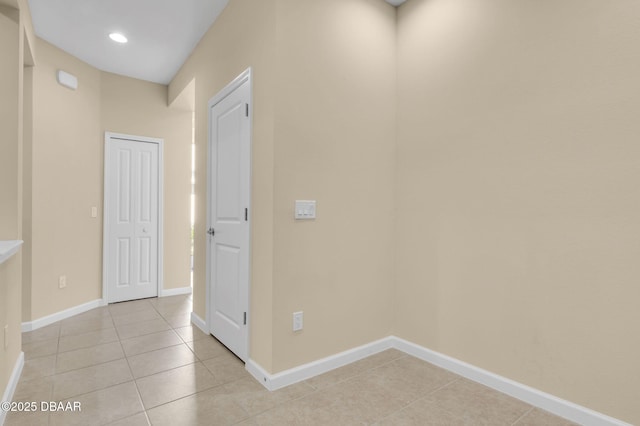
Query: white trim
{"type": "Point", "coordinates": [13, 383]}
{"type": "Point", "coordinates": [59, 316]}
{"type": "Point", "coordinates": [8, 248]}
{"type": "Point", "coordinates": [560, 407]}
{"type": "Point", "coordinates": [199, 322]}
{"type": "Point", "coordinates": [175, 291]}
{"type": "Point", "coordinates": [105, 207]}
{"type": "Point", "coordinates": [245, 76]}
{"type": "Point", "coordinates": [312, 369]}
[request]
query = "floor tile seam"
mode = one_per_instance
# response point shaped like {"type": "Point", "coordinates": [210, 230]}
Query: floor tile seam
{"type": "Point", "coordinates": [214, 374]}
{"type": "Point", "coordinates": [176, 399]}
{"type": "Point", "coordinates": [157, 350]}
{"type": "Point", "coordinates": [445, 385]}
{"type": "Point", "coordinates": [531, 408]}
{"type": "Point", "coordinates": [162, 371]}
{"type": "Point", "coordinates": [86, 332]}
{"type": "Point", "coordinates": [154, 332]}
{"type": "Point", "coordinates": [173, 313]}
{"type": "Point", "coordinates": [424, 398]}
{"type": "Point", "coordinates": [30, 358]}
{"type": "Point", "coordinates": [137, 321]}
{"type": "Point", "coordinates": [124, 312]}
{"type": "Point", "coordinates": [153, 350]}
{"type": "Point", "coordinates": [203, 391]}
{"type": "Point", "coordinates": [90, 347]}
{"type": "Point", "coordinates": [460, 379]}
{"type": "Point", "coordinates": [140, 335]}
{"type": "Point", "coordinates": [131, 415]}
{"type": "Point", "coordinates": [343, 380]}
{"type": "Point", "coordinates": [142, 322]}
{"type": "Point", "coordinates": [280, 404]}
{"type": "Point", "coordinates": [41, 340]}
{"type": "Point", "coordinates": [131, 379]}
{"type": "Point", "coordinates": [171, 369]}
{"type": "Point", "coordinates": [87, 347]}
{"type": "Point", "coordinates": [87, 366]}
{"type": "Point", "coordinates": [135, 383]}
{"type": "Point", "coordinates": [386, 363]}
{"type": "Point", "coordinates": [208, 359]}
{"type": "Point", "coordinates": [76, 397]}
{"type": "Point", "coordinates": [288, 401]}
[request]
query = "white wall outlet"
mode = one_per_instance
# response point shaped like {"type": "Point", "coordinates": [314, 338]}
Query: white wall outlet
{"type": "Point", "coordinates": [6, 336]}
{"type": "Point", "coordinates": [297, 321]}
{"type": "Point", "coordinates": [94, 212]}
{"type": "Point", "coordinates": [62, 281]}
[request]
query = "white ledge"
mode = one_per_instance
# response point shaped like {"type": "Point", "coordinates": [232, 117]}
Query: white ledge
{"type": "Point", "coordinates": [8, 248]}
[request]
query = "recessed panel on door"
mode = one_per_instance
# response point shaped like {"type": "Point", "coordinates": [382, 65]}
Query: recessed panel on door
{"type": "Point", "coordinates": [229, 161]}
{"type": "Point", "coordinates": [227, 276]}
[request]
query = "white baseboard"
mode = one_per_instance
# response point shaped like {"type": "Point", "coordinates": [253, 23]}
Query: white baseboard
{"type": "Point", "coordinates": [175, 291]}
{"type": "Point", "coordinates": [199, 322]}
{"type": "Point", "coordinates": [59, 316]}
{"type": "Point", "coordinates": [312, 369]}
{"type": "Point", "coordinates": [560, 407]}
{"type": "Point", "coordinates": [7, 396]}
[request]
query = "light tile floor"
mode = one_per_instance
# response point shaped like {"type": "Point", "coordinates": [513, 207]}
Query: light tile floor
{"type": "Point", "coordinates": [141, 363]}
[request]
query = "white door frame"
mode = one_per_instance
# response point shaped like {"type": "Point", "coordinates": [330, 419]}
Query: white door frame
{"type": "Point", "coordinates": [108, 136]}
{"type": "Point", "coordinates": [245, 76]}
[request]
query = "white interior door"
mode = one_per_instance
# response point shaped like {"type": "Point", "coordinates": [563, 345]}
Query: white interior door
{"type": "Point", "coordinates": [228, 221]}
{"type": "Point", "coordinates": [131, 218]}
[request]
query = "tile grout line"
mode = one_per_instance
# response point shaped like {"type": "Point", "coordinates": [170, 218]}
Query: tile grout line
{"type": "Point", "coordinates": [135, 383]}
{"type": "Point", "coordinates": [523, 416]}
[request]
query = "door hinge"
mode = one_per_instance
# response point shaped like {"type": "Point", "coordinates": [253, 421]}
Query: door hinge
{"type": "Point", "coordinates": [246, 214]}
{"type": "Point", "coordinates": [245, 318]}
{"type": "Point", "coordinates": [246, 110]}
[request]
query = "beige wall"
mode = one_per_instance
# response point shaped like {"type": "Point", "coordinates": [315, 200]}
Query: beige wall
{"type": "Point", "coordinates": [67, 158]}
{"type": "Point", "coordinates": [12, 46]}
{"type": "Point", "coordinates": [225, 51]}
{"type": "Point", "coordinates": [66, 182]}
{"type": "Point", "coordinates": [518, 201]}
{"type": "Point", "coordinates": [9, 114]}
{"type": "Point", "coordinates": [139, 108]}
{"type": "Point", "coordinates": [334, 143]}
{"type": "Point", "coordinates": [347, 156]}
{"type": "Point", "coordinates": [10, 117]}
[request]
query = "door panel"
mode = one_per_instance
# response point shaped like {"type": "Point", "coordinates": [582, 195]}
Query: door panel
{"type": "Point", "coordinates": [228, 163]}
{"type": "Point", "coordinates": [132, 246]}
{"type": "Point", "coordinates": [228, 264]}
{"type": "Point", "coordinates": [228, 248]}
{"type": "Point", "coordinates": [123, 256]}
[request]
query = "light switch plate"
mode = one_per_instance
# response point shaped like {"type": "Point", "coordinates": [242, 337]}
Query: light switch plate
{"type": "Point", "coordinates": [297, 321]}
{"type": "Point", "coordinates": [305, 210]}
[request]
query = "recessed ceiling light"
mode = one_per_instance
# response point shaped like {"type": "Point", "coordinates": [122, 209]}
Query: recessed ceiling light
{"type": "Point", "coordinates": [118, 38]}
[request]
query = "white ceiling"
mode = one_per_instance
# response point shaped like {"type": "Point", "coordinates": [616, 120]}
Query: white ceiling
{"type": "Point", "coordinates": [161, 33]}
